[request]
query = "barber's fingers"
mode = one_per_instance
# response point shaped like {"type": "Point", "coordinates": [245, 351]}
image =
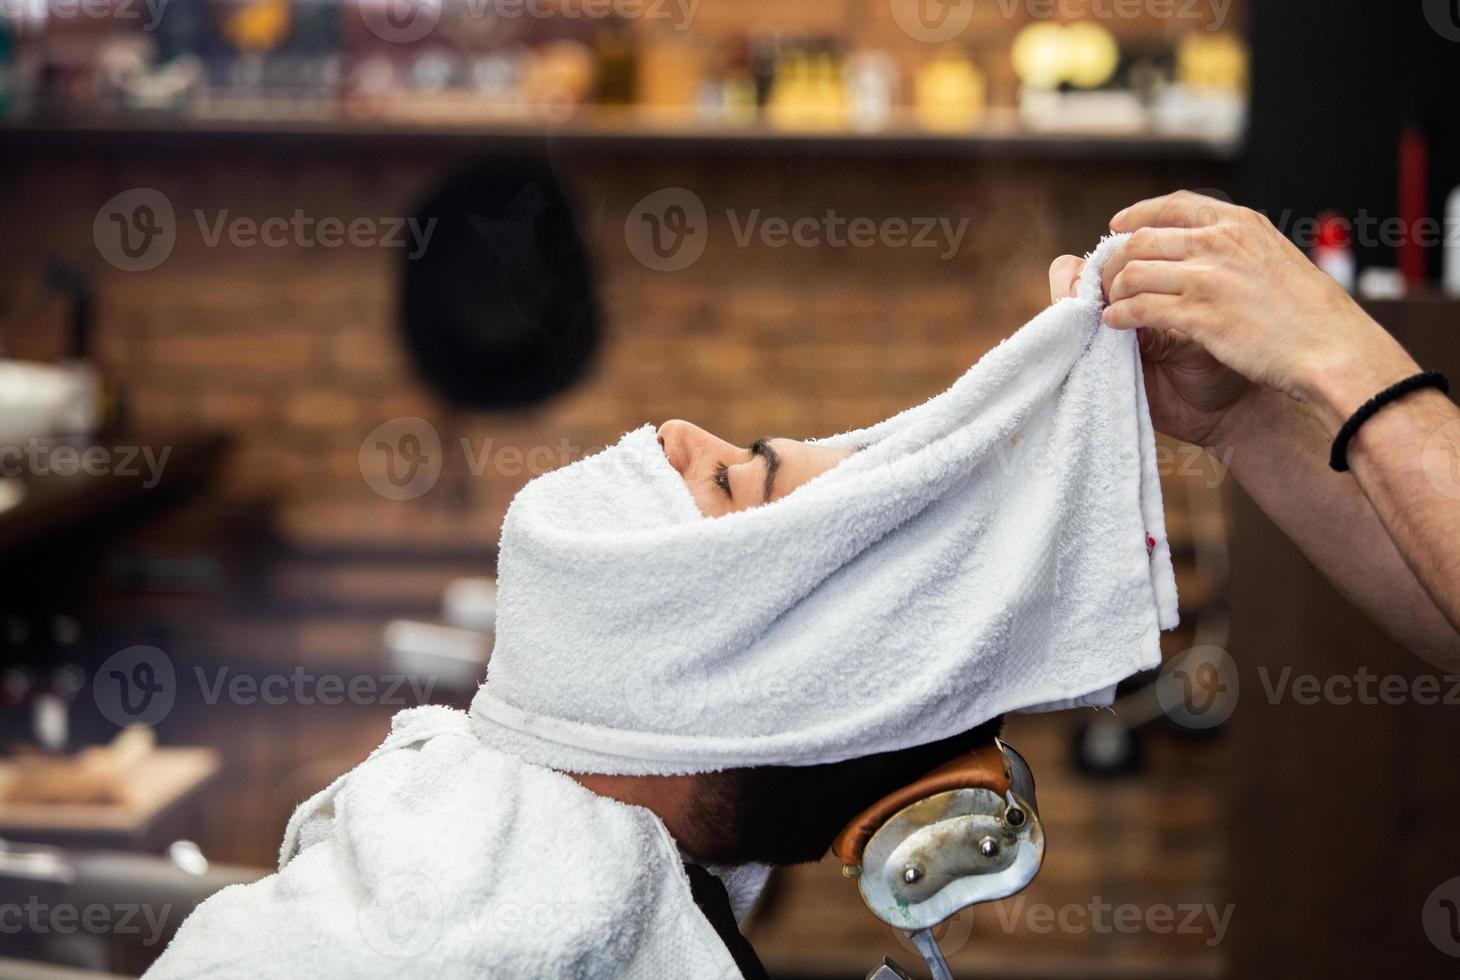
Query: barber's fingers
{"type": "Point", "coordinates": [1153, 244]}
{"type": "Point", "coordinates": [1144, 276]}
{"type": "Point", "coordinates": [1183, 209]}
{"type": "Point", "coordinates": [1159, 344]}
{"type": "Point", "coordinates": [1064, 275]}
{"type": "Point", "coordinates": [1146, 310]}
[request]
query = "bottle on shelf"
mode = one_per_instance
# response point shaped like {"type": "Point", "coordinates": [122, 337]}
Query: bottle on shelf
{"type": "Point", "coordinates": [1333, 249]}
{"type": "Point", "coordinates": [950, 92]}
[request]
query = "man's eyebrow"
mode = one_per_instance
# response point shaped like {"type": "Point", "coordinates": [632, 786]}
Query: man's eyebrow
{"type": "Point", "coordinates": [762, 448]}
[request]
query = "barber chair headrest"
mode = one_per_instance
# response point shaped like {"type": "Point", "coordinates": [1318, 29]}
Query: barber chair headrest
{"type": "Point", "coordinates": [967, 832]}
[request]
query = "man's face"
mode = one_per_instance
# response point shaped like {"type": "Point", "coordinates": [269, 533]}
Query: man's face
{"type": "Point", "coordinates": [723, 477]}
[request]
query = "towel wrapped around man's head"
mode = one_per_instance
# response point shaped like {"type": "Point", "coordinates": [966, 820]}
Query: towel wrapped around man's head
{"type": "Point", "coordinates": [998, 548]}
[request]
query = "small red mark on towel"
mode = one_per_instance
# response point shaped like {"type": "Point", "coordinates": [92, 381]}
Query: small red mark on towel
{"type": "Point", "coordinates": [1150, 546]}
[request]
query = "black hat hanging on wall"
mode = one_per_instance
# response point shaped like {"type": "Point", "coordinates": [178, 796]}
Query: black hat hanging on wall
{"type": "Point", "coordinates": [498, 311]}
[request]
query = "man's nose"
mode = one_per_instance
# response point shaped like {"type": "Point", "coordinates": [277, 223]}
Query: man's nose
{"type": "Point", "coordinates": [676, 438]}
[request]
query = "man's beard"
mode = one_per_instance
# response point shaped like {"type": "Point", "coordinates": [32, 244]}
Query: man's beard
{"type": "Point", "coordinates": [770, 815]}
{"type": "Point", "coordinates": [791, 814]}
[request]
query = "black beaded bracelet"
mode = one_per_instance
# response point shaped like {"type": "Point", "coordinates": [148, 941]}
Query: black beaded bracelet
{"type": "Point", "coordinates": [1338, 458]}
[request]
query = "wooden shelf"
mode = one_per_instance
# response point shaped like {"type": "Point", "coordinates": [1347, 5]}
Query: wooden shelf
{"type": "Point", "coordinates": [54, 505]}
{"type": "Point", "coordinates": [457, 127]}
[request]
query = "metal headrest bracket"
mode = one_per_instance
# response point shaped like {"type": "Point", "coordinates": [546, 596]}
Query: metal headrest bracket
{"type": "Point", "coordinates": [950, 850]}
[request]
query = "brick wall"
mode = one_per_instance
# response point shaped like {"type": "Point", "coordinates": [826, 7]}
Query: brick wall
{"type": "Point", "coordinates": [295, 349]}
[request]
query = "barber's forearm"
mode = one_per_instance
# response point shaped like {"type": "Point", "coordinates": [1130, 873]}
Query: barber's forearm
{"type": "Point", "coordinates": [1279, 454]}
{"type": "Point", "coordinates": [1419, 506]}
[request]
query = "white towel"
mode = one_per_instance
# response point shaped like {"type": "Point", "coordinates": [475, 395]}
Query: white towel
{"type": "Point", "coordinates": [1001, 547]}
{"type": "Point", "coordinates": [438, 857]}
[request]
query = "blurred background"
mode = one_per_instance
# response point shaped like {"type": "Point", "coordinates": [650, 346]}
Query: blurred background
{"type": "Point", "coordinates": [295, 295]}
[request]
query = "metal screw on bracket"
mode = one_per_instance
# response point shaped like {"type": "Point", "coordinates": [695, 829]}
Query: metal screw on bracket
{"type": "Point", "coordinates": [988, 847]}
{"type": "Point", "coordinates": [912, 874]}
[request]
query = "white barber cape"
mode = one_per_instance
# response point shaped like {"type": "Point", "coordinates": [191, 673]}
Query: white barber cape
{"type": "Point", "coordinates": [438, 857]}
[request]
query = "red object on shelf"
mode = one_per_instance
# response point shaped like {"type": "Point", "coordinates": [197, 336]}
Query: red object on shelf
{"type": "Point", "coordinates": [1333, 231]}
{"type": "Point", "coordinates": [1333, 250]}
{"type": "Point", "coordinates": [1414, 175]}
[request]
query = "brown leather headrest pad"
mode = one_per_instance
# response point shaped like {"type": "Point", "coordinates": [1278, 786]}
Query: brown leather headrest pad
{"type": "Point", "coordinates": [983, 768]}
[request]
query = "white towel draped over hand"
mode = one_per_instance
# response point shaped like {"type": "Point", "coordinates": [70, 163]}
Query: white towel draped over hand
{"type": "Point", "coordinates": [1001, 547]}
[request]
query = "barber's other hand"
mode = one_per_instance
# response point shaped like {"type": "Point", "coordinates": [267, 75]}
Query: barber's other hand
{"type": "Point", "coordinates": [1225, 278]}
{"type": "Point", "coordinates": [1190, 393]}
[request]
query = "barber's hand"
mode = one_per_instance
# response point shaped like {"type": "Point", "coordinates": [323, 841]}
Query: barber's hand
{"type": "Point", "coordinates": [1224, 279]}
{"type": "Point", "coordinates": [1192, 396]}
